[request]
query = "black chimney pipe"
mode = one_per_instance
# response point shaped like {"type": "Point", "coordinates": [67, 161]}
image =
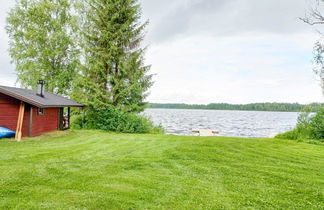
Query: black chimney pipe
{"type": "Point", "coordinates": [40, 88]}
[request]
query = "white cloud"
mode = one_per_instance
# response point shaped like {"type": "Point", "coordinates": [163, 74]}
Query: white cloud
{"type": "Point", "coordinates": [242, 69]}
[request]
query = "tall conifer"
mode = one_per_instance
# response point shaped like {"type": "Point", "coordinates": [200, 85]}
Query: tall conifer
{"type": "Point", "coordinates": [114, 71]}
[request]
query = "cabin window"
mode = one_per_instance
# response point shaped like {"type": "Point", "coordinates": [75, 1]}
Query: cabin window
{"type": "Point", "coordinates": [41, 111]}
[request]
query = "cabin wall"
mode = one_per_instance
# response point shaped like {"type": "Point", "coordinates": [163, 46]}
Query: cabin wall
{"type": "Point", "coordinates": [45, 123]}
{"type": "Point", "coordinates": [9, 111]}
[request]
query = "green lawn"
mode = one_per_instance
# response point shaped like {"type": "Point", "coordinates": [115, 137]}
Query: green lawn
{"type": "Point", "coordinates": [97, 170]}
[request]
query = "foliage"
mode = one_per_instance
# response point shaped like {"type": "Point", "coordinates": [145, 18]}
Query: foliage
{"type": "Point", "coordinates": [77, 121]}
{"type": "Point", "coordinates": [317, 126]}
{"type": "Point", "coordinates": [113, 69]}
{"type": "Point", "coordinates": [42, 45]}
{"type": "Point", "coordinates": [103, 39]}
{"type": "Point", "coordinates": [319, 62]}
{"type": "Point", "coordinates": [309, 126]}
{"type": "Point", "coordinates": [112, 119]}
{"type": "Point", "coordinates": [286, 107]}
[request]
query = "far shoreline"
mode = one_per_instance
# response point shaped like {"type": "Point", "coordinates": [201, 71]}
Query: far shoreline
{"type": "Point", "coordinates": [260, 107]}
{"type": "Point", "coordinates": [225, 110]}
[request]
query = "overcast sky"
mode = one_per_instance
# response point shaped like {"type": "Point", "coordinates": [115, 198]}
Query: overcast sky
{"type": "Point", "coordinates": [212, 51]}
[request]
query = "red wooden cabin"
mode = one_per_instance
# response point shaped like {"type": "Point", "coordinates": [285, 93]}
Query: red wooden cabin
{"type": "Point", "coordinates": [43, 111]}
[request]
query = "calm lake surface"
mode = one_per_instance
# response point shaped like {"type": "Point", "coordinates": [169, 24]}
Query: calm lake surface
{"type": "Point", "coordinates": [229, 123]}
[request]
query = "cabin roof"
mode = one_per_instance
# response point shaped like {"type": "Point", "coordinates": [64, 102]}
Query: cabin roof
{"type": "Point", "coordinates": [49, 100]}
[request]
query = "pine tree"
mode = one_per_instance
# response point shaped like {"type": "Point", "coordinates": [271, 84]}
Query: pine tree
{"type": "Point", "coordinates": [41, 43]}
{"type": "Point", "coordinates": [113, 71]}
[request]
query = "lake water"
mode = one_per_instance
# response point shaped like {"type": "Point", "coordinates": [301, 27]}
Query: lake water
{"type": "Point", "coordinates": [229, 123]}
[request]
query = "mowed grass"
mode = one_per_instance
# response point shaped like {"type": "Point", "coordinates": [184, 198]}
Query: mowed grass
{"type": "Point", "coordinates": [98, 170]}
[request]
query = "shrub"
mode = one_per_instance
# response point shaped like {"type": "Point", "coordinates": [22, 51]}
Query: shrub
{"type": "Point", "coordinates": [112, 119]}
{"type": "Point", "coordinates": [317, 125]}
{"type": "Point", "coordinates": [298, 133]}
{"type": "Point", "coordinates": [309, 126]}
{"type": "Point", "coordinates": [76, 121]}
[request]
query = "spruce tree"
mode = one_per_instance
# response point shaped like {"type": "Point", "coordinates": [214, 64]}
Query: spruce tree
{"type": "Point", "coordinates": [113, 72]}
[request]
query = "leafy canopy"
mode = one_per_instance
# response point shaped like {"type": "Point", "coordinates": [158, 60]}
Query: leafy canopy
{"type": "Point", "coordinates": [42, 43]}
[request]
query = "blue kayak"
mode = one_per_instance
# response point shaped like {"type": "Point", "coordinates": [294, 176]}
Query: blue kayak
{"type": "Point", "coordinates": [6, 133]}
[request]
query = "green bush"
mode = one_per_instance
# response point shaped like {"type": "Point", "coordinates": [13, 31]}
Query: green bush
{"type": "Point", "coordinates": [309, 126]}
{"type": "Point", "coordinates": [317, 125]}
{"type": "Point", "coordinates": [76, 121]}
{"type": "Point", "coordinates": [298, 133]}
{"type": "Point", "coordinates": [112, 119]}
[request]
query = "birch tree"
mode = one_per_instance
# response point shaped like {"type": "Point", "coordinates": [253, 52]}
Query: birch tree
{"type": "Point", "coordinates": [42, 43]}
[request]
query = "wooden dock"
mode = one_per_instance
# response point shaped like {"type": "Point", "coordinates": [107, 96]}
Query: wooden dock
{"type": "Point", "coordinates": [205, 132]}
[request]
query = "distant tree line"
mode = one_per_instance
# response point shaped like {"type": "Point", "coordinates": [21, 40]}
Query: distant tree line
{"type": "Point", "coordinates": [280, 107]}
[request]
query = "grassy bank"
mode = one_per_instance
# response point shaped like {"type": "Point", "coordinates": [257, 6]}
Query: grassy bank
{"type": "Point", "coordinates": [97, 170]}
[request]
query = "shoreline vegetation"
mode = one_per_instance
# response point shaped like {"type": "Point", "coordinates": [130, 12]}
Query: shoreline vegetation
{"type": "Point", "coordinates": [309, 126]}
{"type": "Point", "coordinates": [275, 107]}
